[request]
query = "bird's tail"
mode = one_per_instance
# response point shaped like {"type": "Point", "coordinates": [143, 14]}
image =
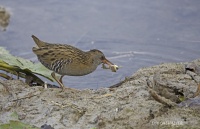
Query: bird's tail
{"type": "Point", "coordinates": [38, 42]}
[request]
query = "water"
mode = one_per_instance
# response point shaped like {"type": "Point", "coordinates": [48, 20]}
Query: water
{"type": "Point", "coordinates": [132, 33]}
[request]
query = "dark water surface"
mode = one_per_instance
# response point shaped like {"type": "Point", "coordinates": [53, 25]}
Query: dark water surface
{"type": "Point", "coordinates": [131, 33]}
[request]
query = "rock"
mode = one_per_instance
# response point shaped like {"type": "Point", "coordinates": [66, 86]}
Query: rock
{"type": "Point", "coordinates": [45, 126]}
{"type": "Point", "coordinates": [4, 18]}
{"type": "Point", "coordinates": [130, 104]}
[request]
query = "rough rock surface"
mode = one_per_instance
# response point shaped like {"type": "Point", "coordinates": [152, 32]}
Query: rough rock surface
{"type": "Point", "coordinates": [126, 106]}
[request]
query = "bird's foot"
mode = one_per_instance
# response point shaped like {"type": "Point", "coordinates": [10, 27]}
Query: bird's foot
{"type": "Point", "coordinates": [68, 89]}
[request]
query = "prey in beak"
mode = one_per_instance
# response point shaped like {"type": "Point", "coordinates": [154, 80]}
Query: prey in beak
{"type": "Point", "coordinates": [111, 66]}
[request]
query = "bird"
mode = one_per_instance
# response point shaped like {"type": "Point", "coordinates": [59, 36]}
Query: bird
{"type": "Point", "coordinates": [65, 59]}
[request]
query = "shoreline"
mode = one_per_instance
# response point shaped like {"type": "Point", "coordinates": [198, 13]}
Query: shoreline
{"type": "Point", "coordinates": [128, 105]}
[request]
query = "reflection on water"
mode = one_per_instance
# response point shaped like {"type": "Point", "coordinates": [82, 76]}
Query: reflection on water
{"type": "Point", "coordinates": [132, 34]}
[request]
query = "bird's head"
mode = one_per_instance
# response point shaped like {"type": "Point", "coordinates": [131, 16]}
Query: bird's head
{"type": "Point", "coordinates": [99, 57]}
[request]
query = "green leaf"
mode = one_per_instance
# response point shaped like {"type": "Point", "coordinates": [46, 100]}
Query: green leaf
{"type": "Point", "coordinates": [17, 125]}
{"type": "Point", "coordinates": [14, 115]}
{"type": "Point", "coordinates": [17, 64]}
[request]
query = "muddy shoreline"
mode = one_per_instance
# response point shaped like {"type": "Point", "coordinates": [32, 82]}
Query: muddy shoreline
{"type": "Point", "coordinates": [128, 105]}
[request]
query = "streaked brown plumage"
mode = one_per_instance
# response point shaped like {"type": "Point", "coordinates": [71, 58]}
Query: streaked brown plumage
{"type": "Point", "coordinates": [68, 60]}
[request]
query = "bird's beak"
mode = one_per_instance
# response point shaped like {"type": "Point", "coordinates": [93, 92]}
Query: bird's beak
{"type": "Point", "coordinates": [105, 61]}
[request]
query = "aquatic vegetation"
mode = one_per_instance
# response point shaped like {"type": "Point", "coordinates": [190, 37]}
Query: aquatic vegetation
{"type": "Point", "coordinates": [22, 68]}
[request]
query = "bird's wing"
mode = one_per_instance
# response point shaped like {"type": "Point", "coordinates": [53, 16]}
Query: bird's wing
{"type": "Point", "coordinates": [57, 52]}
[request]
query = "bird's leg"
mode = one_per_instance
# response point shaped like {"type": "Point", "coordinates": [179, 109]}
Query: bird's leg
{"type": "Point", "coordinates": [58, 81]}
{"type": "Point", "coordinates": [61, 79]}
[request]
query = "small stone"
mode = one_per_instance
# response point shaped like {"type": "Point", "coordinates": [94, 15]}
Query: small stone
{"type": "Point", "coordinates": [45, 126]}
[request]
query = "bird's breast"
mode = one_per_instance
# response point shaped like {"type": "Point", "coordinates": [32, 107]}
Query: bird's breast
{"type": "Point", "coordinates": [74, 69]}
